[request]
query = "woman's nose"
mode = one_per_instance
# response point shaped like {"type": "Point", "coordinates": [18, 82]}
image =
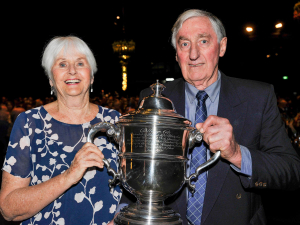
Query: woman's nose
{"type": "Point", "coordinates": [72, 69]}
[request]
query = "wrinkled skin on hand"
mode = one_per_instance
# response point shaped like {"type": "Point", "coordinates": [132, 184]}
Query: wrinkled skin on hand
{"type": "Point", "coordinates": [218, 134]}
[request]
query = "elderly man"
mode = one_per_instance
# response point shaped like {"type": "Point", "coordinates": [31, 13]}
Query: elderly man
{"type": "Point", "coordinates": [238, 117]}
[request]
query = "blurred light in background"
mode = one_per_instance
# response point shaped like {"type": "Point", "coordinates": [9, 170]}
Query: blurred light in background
{"type": "Point", "coordinates": [278, 25]}
{"type": "Point", "coordinates": [169, 79]}
{"type": "Point", "coordinates": [249, 29]}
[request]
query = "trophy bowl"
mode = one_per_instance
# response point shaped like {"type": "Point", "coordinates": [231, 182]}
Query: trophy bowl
{"type": "Point", "coordinates": [153, 142]}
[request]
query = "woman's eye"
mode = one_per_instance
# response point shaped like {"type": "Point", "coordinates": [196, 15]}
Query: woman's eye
{"type": "Point", "coordinates": [80, 64]}
{"type": "Point", "coordinates": [62, 65]}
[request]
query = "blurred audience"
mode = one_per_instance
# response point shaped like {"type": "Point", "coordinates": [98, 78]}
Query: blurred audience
{"type": "Point", "coordinates": [5, 127]}
{"type": "Point", "coordinates": [11, 108]}
{"type": "Point", "coordinates": [289, 108]}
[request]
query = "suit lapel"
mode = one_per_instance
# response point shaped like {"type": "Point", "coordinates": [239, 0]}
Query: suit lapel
{"type": "Point", "coordinates": [232, 106]}
{"type": "Point", "coordinates": [234, 109]}
{"type": "Point", "coordinates": [177, 95]}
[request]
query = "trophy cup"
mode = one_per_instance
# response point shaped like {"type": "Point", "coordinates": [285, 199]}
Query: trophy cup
{"type": "Point", "coordinates": [153, 141]}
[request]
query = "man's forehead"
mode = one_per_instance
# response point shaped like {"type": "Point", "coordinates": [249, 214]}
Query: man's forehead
{"type": "Point", "coordinates": [200, 25]}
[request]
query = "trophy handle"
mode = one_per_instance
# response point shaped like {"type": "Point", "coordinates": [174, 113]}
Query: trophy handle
{"type": "Point", "coordinates": [196, 136]}
{"type": "Point", "coordinates": [111, 130]}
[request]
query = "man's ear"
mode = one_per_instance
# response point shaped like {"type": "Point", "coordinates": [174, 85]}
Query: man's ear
{"type": "Point", "coordinates": [223, 46]}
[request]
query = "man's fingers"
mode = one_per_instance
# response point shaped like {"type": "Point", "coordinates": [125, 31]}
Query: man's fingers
{"type": "Point", "coordinates": [213, 120]}
{"type": "Point", "coordinates": [199, 126]}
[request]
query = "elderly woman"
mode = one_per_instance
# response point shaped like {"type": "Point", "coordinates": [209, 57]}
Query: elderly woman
{"type": "Point", "coordinates": [50, 174]}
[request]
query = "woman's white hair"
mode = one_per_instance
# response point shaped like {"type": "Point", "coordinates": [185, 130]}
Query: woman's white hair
{"type": "Point", "coordinates": [215, 22]}
{"type": "Point", "coordinates": [68, 43]}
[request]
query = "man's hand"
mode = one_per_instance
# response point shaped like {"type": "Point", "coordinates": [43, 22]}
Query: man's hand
{"type": "Point", "coordinates": [218, 134]}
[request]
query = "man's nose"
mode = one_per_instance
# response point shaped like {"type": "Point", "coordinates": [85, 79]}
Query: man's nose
{"type": "Point", "coordinates": [194, 52]}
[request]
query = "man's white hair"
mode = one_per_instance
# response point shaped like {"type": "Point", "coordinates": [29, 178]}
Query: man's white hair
{"type": "Point", "coordinates": [215, 22]}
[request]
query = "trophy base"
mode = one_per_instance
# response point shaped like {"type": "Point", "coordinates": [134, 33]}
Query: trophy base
{"type": "Point", "coordinates": [137, 214]}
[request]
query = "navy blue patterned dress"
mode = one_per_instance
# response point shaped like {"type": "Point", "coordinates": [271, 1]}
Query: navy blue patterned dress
{"type": "Point", "coordinates": [41, 147]}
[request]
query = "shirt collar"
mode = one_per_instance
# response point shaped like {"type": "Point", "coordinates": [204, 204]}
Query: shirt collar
{"type": "Point", "coordinates": [212, 90]}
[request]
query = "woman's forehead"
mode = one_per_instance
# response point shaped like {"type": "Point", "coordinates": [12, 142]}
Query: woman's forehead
{"type": "Point", "coordinates": [70, 51]}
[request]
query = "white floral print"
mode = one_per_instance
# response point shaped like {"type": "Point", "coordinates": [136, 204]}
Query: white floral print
{"type": "Point", "coordinates": [41, 147]}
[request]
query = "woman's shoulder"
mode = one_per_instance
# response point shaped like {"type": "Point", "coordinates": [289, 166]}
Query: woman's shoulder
{"type": "Point", "coordinates": [28, 114]}
{"type": "Point", "coordinates": [108, 111]}
{"type": "Point", "coordinates": [108, 115]}
{"type": "Point", "coordinates": [26, 122]}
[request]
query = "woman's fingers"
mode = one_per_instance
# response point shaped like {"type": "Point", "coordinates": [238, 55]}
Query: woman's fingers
{"type": "Point", "coordinates": [88, 156]}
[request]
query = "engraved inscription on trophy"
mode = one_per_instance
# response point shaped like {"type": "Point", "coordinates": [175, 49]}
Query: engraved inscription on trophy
{"type": "Point", "coordinates": [155, 140]}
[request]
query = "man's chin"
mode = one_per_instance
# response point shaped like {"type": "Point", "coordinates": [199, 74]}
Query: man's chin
{"type": "Point", "coordinates": [200, 81]}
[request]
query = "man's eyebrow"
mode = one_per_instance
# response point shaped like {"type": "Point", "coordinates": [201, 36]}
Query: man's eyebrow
{"type": "Point", "coordinates": [182, 38]}
{"type": "Point", "coordinates": [199, 36]}
{"type": "Point", "coordinates": [204, 35]}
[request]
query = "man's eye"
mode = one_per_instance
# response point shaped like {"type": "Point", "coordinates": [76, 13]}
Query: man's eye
{"type": "Point", "coordinates": [204, 41]}
{"type": "Point", "coordinates": [184, 44]}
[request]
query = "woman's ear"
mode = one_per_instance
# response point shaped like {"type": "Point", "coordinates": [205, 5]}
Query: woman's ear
{"type": "Point", "coordinates": [92, 80]}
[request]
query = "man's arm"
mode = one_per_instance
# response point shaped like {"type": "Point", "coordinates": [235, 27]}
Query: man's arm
{"type": "Point", "coordinates": [275, 164]}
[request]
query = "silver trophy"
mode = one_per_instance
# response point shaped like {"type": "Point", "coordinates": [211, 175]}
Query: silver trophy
{"type": "Point", "coordinates": [153, 142]}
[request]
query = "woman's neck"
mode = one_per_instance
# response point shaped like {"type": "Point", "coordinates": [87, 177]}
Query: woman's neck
{"type": "Point", "coordinates": [72, 110]}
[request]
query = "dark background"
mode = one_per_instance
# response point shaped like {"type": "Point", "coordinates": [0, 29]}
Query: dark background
{"type": "Point", "coordinates": [28, 27]}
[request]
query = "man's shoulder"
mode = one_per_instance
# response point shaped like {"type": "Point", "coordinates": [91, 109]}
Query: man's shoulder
{"type": "Point", "coordinates": [238, 90]}
{"type": "Point", "coordinates": [246, 85]}
{"type": "Point", "coordinates": [246, 82]}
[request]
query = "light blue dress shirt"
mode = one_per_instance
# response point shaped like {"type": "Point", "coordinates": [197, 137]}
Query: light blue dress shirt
{"type": "Point", "coordinates": [212, 102]}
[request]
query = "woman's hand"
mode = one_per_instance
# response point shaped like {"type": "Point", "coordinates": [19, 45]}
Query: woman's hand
{"type": "Point", "coordinates": [112, 221]}
{"type": "Point", "coordinates": [88, 156]}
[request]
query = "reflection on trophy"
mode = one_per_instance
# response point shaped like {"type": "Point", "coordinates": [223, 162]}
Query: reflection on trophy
{"type": "Point", "coordinates": [153, 141]}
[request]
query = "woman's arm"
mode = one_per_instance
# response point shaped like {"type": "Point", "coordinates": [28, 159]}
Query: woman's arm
{"type": "Point", "coordinates": [19, 201]}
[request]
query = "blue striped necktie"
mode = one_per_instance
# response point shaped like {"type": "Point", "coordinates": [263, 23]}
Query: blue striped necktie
{"type": "Point", "coordinates": [195, 201]}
